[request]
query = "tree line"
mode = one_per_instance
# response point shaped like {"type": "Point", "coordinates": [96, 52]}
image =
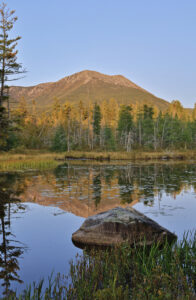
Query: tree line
{"type": "Point", "coordinates": [102, 127]}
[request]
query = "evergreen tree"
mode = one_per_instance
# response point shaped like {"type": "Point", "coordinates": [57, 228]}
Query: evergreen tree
{"type": "Point", "coordinates": [97, 122]}
{"type": "Point", "coordinates": [125, 121]}
{"type": "Point", "coordinates": [109, 139]}
{"type": "Point", "coordinates": [148, 126]}
{"type": "Point", "coordinates": [8, 64]}
{"type": "Point", "coordinates": [8, 53]}
{"type": "Point", "coordinates": [125, 124]}
{"type": "Point", "coordinates": [3, 128]}
{"type": "Point", "coordinates": [59, 143]}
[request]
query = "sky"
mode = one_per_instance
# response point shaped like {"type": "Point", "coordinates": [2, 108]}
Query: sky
{"type": "Point", "coordinates": [151, 42]}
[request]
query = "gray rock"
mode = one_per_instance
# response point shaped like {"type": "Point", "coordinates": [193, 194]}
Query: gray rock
{"type": "Point", "coordinates": [120, 225]}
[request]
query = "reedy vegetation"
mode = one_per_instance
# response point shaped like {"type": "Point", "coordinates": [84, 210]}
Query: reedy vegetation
{"type": "Point", "coordinates": [126, 273]}
{"type": "Point", "coordinates": [34, 161]}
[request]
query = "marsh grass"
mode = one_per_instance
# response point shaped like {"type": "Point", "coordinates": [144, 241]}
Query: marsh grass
{"type": "Point", "coordinates": [133, 155]}
{"type": "Point", "coordinates": [20, 162]}
{"type": "Point", "coordinates": [40, 161]}
{"type": "Point", "coordinates": [126, 273]}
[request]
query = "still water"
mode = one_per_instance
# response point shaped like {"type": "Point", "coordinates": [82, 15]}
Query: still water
{"type": "Point", "coordinates": [39, 211]}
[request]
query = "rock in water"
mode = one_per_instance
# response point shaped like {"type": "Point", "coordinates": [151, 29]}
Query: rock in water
{"type": "Point", "coordinates": [120, 225]}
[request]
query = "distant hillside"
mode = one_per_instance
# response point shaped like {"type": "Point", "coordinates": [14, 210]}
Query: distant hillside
{"type": "Point", "coordinates": [87, 86]}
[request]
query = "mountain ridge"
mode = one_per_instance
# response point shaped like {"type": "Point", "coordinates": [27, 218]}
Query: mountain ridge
{"type": "Point", "coordinates": [87, 86]}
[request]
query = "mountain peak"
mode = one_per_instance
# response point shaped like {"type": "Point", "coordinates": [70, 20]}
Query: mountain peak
{"type": "Point", "coordinates": [89, 75]}
{"type": "Point", "coordinates": [87, 86]}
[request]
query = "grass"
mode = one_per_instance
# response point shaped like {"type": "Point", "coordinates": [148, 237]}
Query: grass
{"type": "Point", "coordinates": [133, 155]}
{"type": "Point", "coordinates": [126, 273]}
{"type": "Point", "coordinates": [21, 162]}
{"type": "Point", "coordinates": [36, 160]}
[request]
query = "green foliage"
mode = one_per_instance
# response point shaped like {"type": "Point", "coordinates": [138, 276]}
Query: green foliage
{"type": "Point", "coordinates": [59, 143]}
{"type": "Point", "coordinates": [110, 143]}
{"type": "Point", "coordinates": [125, 121]}
{"type": "Point", "coordinates": [8, 67]}
{"type": "Point", "coordinates": [145, 131]}
{"type": "Point", "coordinates": [138, 273]}
{"type": "Point", "coordinates": [97, 122]}
{"type": "Point", "coordinates": [126, 273]}
{"type": "Point", "coordinates": [8, 53]}
{"type": "Point", "coordinates": [4, 125]}
{"type": "Point", "coordinates": [12, 140]}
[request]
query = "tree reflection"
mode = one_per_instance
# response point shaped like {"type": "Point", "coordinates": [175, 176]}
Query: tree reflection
{"type": "Point", "coordinates": [134, 182]}
{"type": "Point", "coordinates": [125, 182]}
{"type": "Point", "coordinates": [10, 248]}
{"type": "Point", "coordinates": [97, 188]}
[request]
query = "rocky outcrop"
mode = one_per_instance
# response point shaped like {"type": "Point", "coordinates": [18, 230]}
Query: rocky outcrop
{"type": "Point", "coordinates": [120, 225]}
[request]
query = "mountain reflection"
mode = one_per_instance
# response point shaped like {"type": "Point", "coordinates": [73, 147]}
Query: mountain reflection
{"type": "Point", "coordinates": [10, 248]}
{"type": "Point", "coordinates": [86, 189]}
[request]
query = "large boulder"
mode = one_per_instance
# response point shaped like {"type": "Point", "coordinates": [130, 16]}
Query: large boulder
{"type": "Point", "coordinates": [120, 225]}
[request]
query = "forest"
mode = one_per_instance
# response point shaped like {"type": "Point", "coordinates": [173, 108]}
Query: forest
{"type": "Point", "coordinates": [107, 126]}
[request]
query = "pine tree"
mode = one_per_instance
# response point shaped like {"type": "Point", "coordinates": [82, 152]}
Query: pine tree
{"type": "Point", "coordinates": [97, 122]}
{"type": "Point", "coordinates": [8, 53]}
{"type": "Point", "coordinates": [8, 63]}
{"type": "Point", "coordinates": [59, 143]}
{"type": "Point", "coordinates": [125, 121]}
{"type": "Point", "coordinates": [148, 126]}
{"type": "Point", "coordinates": [3, 128]}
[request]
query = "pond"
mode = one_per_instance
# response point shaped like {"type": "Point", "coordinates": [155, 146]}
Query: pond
{"type": "Point", "coordinates": [39, 211]}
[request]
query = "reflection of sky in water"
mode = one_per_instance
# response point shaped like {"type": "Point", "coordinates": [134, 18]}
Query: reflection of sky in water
{"type": "Point", "coordinates": [162, 193]}
{"type": "Point", "coordinates": [46, 232]}
{"type": "Point", "coordinates": [177, 215]}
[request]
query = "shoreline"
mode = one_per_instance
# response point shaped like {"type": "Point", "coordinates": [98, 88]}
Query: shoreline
{"type": "Point", "coordinates": [37, 160]}
{"type": "Point", "coordinates": [132, 156]}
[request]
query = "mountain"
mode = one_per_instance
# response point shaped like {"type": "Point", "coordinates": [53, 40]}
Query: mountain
{"type": "Point", "coordinates": [86, 86]}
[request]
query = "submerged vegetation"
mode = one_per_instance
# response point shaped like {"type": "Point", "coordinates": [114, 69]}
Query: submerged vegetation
{"type": "Point", "coordinates": [126, 273]}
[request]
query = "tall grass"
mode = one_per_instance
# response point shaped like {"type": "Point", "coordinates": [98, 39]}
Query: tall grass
{"type": "Point", "coordinates": [133, 155]}
{"type": "Point", "coordinates": [18, 162]}
{"type": "Point", "coordinates": [127, 273]}
{"type": "Point", "coordinates": [40, 161]}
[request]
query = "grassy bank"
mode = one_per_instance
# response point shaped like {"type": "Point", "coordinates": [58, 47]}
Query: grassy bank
{"type": "Point", "coordinates": [40, 160]}
{"type": "Point", "coordinates": [127, 273]}
{"type": "Point", "coordinates": [133, 155]}
{"type": "Point", "coordinates": [32, 161]}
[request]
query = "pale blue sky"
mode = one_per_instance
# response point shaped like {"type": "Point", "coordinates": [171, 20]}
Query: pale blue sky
{"type": "Point", "coordinates": [151, 42]}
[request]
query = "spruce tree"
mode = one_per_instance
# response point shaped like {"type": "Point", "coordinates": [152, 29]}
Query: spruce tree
{"type": "Point", "coordinates": [97, 122]}
{"type": "Point", "coordinates": [125, 121]}
{"type": "Point", "coordinates": [125, 125]}
{"type": "Point", "coordinates": [8, 67]}
{"type": "Point", "coordinates": [8, 53]}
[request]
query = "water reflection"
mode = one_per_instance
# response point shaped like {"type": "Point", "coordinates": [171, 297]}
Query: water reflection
{"type": "Point", "coordinates": [10, 249]}
{"type": "Point", "coordinates": [97, 188]}
{"type": "Point", "coordinates": [87, 189]}
{"type": "Point", "coordinates": [164, 192]}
